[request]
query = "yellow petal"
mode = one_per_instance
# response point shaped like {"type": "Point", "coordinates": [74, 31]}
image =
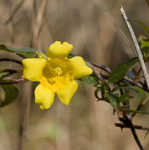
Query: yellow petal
{"type": "Point", "coordinates": [44, 96]}
{"type": "Point", "coordinates": [80, 69]}
{"type": "Point", "coordinates": [67, 92]}
{"type": "Point", "coordinates": [58, 49]}
{"type": "Point", "coordinates": [33, 68]}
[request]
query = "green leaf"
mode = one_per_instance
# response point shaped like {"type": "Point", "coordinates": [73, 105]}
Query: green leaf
{"type": "Point", "coordinates": [92, 80]}
{"type": "Point", "coordinates": [24, 52]}
{"type": "Point", "coordinates": [88, 64]}
{"type": "Point", "coordinates": [139, 91]}
{"type": "Point", "coordinates": [104, 91]}
{"type": "Point", "coordinates": [124, 98]}
{"type": "Point", "coordinates": [142, 24]}
{"type": "Point", "coordinates": [145, 100]}
{"type": "Point", "coordinates": [113, 100]}
{"type": "Point", "coordinates": [144, 44]}
{"type": "Point", "coordinates": [41, 55]}
{"type": "Point", "coordinates": [11, 93]}
{"type": "Point", "coordinates": [6, 73]}
{"type": "Point", "coordinates": [119, 73]}
{"type": "Point", "coordinates": [2, 74]}
{"type": "Point", "coordinates": [145, 52]}
{"type": "Point", "coordinates": [118, 88]}
{"type": "Point", "coordinates": [70, 55]}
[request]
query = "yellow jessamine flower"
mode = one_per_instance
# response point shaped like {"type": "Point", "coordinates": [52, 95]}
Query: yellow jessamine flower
{"type": "Point", "coordinates": [56, 74]}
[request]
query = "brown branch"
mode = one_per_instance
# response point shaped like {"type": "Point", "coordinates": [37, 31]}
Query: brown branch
{"type": "Point", "coordinates": [128, 123]}
{"type": "Point", "coordinates": [13, 81]}
{"type": "Point", "coordinates": [138, 127]}
{"type": "Point", "coordinates": [108, 70]}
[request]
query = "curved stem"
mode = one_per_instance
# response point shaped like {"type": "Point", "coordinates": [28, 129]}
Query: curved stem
{"type": "Point", "coordinates": [13, 81]}
{"type": "Point", "coordinates": [12, 60]}
{"type": "Point", "coordinates": [136, 137]}
{"type": "Point", "coordinates": [129, 123]}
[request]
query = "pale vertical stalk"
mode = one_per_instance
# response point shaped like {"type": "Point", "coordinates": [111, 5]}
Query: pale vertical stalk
{"type": "Point", "coordinates": [25, 111]}
{"type": "Point", "coordinates": [140, 56]}
{"type": "Point", "coordinates": [27, 89]}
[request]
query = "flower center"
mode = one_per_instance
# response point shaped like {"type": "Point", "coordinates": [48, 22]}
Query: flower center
{"type": "Point", "coordinates": [58, 71]}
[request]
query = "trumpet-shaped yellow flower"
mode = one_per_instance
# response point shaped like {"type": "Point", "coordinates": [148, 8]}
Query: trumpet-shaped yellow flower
{"type": "Point", "coordinates": [56, 74]}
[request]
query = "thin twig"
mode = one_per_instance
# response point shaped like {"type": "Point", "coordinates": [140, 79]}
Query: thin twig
{"type": "Point", "coordinates": [12, 60]}
{"type": "Point", "coordinates": [14, 12]}
{"type": "Point", "coordinates": [37, 22]}
{"type": "Point", "coordinates": [138, 127]}
{"type": "Point", "coordinates": [140, 56]}
{"type": "Point", "coordinates": [36, 29]}
{"type": "Point", "coordinates": [13, 81]}
{"type": "Point", "coordinates": [108, 70]}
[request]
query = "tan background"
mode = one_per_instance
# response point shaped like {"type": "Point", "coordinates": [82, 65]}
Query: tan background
{"type": "Point", "coordinates": [98, 33]}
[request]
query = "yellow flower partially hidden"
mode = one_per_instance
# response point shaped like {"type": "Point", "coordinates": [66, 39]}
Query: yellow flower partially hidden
{"type": "Point", "coordinates": [56, 74]}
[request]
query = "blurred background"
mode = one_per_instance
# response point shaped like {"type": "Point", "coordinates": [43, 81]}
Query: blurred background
{"type": "Point", "coordinates": [98, 33]}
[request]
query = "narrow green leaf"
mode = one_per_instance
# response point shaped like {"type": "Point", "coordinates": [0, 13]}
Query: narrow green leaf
{"type": "Point", "coordinates": [139, 91]}
{"type": "Point", "coordinates": [145, 52]}
{"type": "Point", "coordinates": [92, 80]}
{"type": "Point", "coordinates": [104, 91]}
{"type": "Point", "coordinates": [2, 74]}
{"type": "Point", "coordinates": [11, 93]}
{"type": "Point", "coordinates": [142, 24]}
{"type": "Point", "coordinates": [119, 73]}
{"type": "Point", "coordinates": [145, 100]}
{"type": "Point", "coordinates": [6, 73]}
{"type": "Point", "coordinates": [144, 44]}
{"type": "Point", "coordinates": [24, 52]}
